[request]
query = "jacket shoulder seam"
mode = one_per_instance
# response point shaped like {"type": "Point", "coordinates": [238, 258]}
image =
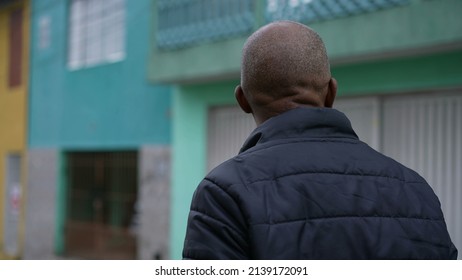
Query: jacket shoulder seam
{"type": "Point", "coordinates": [335, 173]}
{"type": "Point", "coordinates": [292, 140]}
{"type": "Point", "coordinates": [347, 217]}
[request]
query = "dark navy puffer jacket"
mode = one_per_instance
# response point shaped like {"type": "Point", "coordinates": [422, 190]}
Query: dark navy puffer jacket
{"type": "Point", "coordinates": [304, 187]}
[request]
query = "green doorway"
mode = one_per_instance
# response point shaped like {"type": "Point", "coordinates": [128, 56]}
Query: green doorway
{"type": "Point", "coordinates": [101, 198]}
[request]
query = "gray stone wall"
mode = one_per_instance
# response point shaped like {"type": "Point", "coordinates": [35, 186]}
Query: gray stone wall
{"type": "Point", "coordinates": [43, 166]}
{"type": "Point", "coordinates": [153, 204]}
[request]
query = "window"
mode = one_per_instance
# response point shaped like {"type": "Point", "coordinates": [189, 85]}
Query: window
{"type": "Point", "coordinates": [15, 48]}
{"type": "Point", "coordinates": [96, 32]}
{"type": "Point", "coordinates": [44, 36]}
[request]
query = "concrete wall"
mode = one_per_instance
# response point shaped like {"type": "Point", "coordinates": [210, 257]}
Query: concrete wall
{"type": "Point", "coordinates": [154, 202]}
{"type": "Point", "coordinates": [41, 204]}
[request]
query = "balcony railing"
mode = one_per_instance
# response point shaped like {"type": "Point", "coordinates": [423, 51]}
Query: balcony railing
{"type": "Point", "coordinates": [308, 11]}
{"type": "Point", "coordinates": [182, 23]}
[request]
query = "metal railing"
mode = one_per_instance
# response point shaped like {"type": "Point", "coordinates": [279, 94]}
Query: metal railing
{"type": "Point", "coordinates": [308, 11]}
{"type": "Point", "coordinates": [182, 23]}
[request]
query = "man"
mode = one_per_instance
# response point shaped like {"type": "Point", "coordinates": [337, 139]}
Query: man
{"type": "Point", "coordinates": [303, 186]}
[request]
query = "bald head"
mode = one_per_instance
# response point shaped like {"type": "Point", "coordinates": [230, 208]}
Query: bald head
{"type": "Point", "coordinates": [284, 65]}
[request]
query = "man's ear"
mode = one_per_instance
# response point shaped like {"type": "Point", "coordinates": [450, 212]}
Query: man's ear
{"type": "Point", "coordinates": [331, 93]}
{"type": "Point", "coordinates": [242, 100]}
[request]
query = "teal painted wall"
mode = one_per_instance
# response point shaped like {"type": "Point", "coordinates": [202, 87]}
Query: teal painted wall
{"type": "Point", "coordinates": [108, 106]}
{"type": "Point", "coordinates": [191, 104]}
{"type": "Point", "coordinates": [438, 70]}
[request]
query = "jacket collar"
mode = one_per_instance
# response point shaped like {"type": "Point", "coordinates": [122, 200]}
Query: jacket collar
{"type": "Point", "coordinates": [302, 122]}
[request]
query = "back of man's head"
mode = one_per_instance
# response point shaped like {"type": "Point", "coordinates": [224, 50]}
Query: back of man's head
{"type": "Point", "coordinates": [284, 65]}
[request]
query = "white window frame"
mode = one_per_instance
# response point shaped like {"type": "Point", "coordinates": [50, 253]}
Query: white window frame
{"type": "Point", "coordinates": [96, 32]}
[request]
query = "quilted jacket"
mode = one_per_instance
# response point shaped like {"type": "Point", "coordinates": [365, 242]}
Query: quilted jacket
{"type": "Point", "coordinates": [304, 187]}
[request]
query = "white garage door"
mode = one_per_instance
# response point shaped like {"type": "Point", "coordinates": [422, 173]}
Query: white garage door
{"type": "Point", "coordinates": [228, 128]}
{"type": "Point", "coordinates": [364, 115]}
{"type": "Point", "coordinates": [424, 132]}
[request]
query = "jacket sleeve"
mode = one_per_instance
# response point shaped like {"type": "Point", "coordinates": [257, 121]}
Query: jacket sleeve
{"type": "Point", "coordinates": [216, 228]}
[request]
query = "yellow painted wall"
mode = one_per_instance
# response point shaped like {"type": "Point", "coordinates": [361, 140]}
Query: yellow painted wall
{"type": "Point", "coordinates": [13, 112]}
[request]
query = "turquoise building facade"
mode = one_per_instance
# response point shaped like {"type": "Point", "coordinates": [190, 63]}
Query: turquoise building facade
{"type": "Point", "coordinates": [99, 134]}
{"type": "Point", "coordinates": [397, 63]}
